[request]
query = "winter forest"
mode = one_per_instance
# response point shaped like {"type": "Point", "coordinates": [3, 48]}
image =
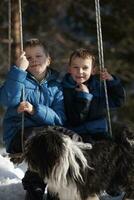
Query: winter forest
{"type": "Point", "coordinates": [67, 25]}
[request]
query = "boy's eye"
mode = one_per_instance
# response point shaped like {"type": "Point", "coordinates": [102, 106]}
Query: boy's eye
{"type": "Point", "coordinates": [85, 68]}
{"type": "Point", "coordinates": [38, 56]}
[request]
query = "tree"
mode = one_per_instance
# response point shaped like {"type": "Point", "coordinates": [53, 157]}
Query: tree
{"type": "Point", "coordinates": [15, 30]}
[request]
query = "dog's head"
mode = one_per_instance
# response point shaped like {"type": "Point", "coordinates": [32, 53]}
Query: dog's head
{"type": "Point", "coordinates": [54, 155]}
{"type": "Point", "coordinates": [43, 150]}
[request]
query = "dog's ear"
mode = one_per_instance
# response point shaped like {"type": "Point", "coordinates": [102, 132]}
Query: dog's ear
{"type": "Point", "coordinates": [43, 150]}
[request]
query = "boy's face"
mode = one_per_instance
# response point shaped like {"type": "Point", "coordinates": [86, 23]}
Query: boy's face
{"type": "Point", "coordinates": [80, 69]}
{"type": "Point", "coordinates": [38, 61]}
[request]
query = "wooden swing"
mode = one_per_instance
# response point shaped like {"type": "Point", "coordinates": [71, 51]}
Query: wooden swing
{"type": "Point", "coordinates": [18, 157]}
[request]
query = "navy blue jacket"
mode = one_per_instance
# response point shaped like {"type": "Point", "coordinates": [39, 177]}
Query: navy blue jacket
{"type": "Point", "coordinates": [46, 97]}
{"type": "Point", "coordinates": [86, 112]}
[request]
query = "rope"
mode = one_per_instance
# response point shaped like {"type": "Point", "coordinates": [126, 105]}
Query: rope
{"type": "Point", "coordinates": [22, 121]}
{"type": "Point", "coordinates": [9, 63]}
{"type": "Point", "coordinates": [20, 27]}
{"type": "Point", "coordinates": [9, 34]}
{"type": "Point", "coordinates": [101, 58]}
{"type": "Point", "coordinates": [23, 89]}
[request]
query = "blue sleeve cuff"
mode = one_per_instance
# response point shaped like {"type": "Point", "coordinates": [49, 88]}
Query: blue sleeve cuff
{"type": "Point", "coordinates": [85, 95]}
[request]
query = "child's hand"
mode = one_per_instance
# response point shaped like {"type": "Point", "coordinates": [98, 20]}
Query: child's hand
{"type": "Point", "coordinates": [82, 88]}
{"type": "Point", "coordinates": [104, 75]}
{"type": "Point", "coordinates": [22, 62]}
{"type": "Point", "coordinates": [25, 106]}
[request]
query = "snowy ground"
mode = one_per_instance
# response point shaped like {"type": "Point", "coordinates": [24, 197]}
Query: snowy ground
{"type": "Point", "coordinates": [10, 179]}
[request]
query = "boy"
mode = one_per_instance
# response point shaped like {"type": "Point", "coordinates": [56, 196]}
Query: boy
{"type": "Point", "coordinates": [42, 103]}
{"type": "Point", "coordinates": [84, 96]}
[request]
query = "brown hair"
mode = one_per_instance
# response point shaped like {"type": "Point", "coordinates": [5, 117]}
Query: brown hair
{"type": "Point", "coordinates": [82, 53]}
{"type": "Point", "coordinates": [33, 42]}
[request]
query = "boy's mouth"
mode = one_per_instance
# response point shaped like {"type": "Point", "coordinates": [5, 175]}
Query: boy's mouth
{"type": "Point", "coordinates": [34, 66]}
{"type": "Point", "coordinates": [80, 77]}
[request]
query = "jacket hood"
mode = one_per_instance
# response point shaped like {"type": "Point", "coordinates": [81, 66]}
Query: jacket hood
{"type": "Point", "coordinates": [52, 74]}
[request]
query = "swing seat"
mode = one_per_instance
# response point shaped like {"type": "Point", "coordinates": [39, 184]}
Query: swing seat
{"type": "Point", "coordinates": [16, 158]}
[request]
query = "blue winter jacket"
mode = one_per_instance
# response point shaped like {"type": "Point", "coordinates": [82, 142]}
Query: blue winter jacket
{"type": "Point", "coordinates": [86, 112]}
{"type": "Point", "coordinates": [46, 97]}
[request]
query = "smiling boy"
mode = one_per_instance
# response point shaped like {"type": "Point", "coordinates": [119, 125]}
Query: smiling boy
{"type": "Point", "coordinates": [42, 104]}
{"type": "Point", "coordinates": [84, 96]}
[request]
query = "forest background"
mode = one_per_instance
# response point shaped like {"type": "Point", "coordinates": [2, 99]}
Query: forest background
{"type": "Point", "coordinates": [67, 25]}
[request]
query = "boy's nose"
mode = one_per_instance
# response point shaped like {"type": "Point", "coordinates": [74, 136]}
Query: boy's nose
{"type": "Point", "coordinates": [80, 70]}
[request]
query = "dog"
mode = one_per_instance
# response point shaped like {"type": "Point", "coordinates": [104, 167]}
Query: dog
{"type": "Point", "coordinates": [75, 170]}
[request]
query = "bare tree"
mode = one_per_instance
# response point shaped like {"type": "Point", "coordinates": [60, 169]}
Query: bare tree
{"type": "Point", "coordinates": [15, 30]}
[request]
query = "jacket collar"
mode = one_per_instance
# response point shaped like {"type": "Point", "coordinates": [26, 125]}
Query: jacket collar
{"type": "Point", "coordinates": [50, 75]}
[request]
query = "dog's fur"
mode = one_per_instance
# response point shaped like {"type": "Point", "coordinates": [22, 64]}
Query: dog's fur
{"type": "Point", "coordinates": [74, 170]}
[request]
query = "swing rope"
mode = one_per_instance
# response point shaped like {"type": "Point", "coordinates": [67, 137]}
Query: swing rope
{"type": "Point", "coordinates": [17, 158]}
{"type": "Point", "coordinates": [23, 89]}
{"type": "Point", "coordinates": [20, 26]}
{"type": "Point", "coordinates": [101, 59]}
{"type": "Point", "coordinates": [9, 34]}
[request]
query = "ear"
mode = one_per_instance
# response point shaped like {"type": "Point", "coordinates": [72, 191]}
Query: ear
{"type": "Point", "coordinates": [48, 61]}
{"type": "Point", "coordinates": [94, 71]}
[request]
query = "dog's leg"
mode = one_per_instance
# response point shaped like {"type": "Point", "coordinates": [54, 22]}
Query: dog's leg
{"type": "Point", "coordinates": [93, 197]}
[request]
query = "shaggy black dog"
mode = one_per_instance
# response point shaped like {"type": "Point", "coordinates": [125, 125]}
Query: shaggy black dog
{"type": "Point", "coordinates": [74, 170]}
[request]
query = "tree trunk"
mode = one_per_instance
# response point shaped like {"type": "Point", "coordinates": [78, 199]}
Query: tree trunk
{"type": "Point", "coordinates": [15, 30]}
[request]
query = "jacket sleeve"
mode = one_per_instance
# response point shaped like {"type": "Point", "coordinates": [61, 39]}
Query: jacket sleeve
{"type": "Point", "coordinates": [11, 90]}
{"type": "Point", "coordinates": [116, 93]}
{"type": "Point", "coordinates": [53, 115]}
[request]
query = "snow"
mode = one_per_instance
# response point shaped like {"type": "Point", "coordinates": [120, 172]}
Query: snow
{"type": "Point", "coordinates": [10, 179]}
